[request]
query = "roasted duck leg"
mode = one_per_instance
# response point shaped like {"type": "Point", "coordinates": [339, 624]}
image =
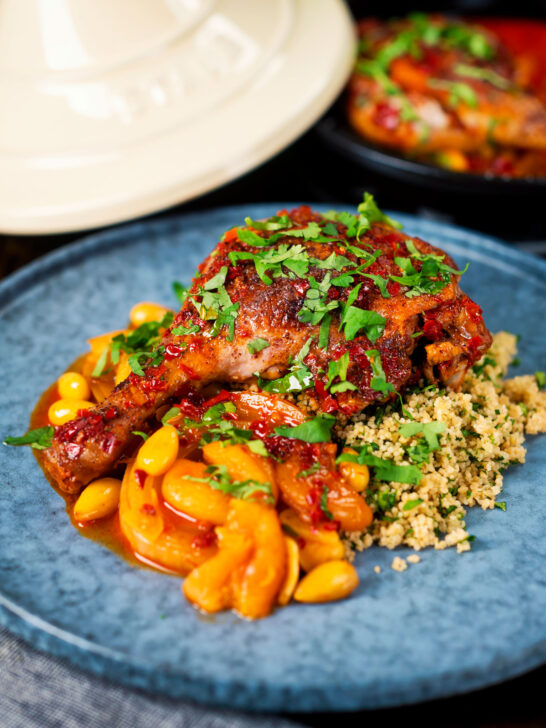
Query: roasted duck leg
{"type": "Point", "coordinates": [344, 306]}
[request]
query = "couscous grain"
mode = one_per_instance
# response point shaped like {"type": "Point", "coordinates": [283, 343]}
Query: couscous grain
{"type": "Point", "coordinates": [482, 432]}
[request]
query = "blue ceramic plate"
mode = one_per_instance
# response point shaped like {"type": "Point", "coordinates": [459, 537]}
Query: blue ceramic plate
{"type": "Point", "coordinates": [449, 624]}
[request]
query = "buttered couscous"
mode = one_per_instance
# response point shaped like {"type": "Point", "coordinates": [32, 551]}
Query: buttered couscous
{"type": "Point", "coordinates": [461, 441]}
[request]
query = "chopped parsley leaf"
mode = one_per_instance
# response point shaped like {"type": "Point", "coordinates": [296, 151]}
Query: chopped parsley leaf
{"type": "Point", "coordinates": [354, 319]}
{"type": "Point", "coordinates": [501, 505]}
{"type": "Point", "coordinates": [316, 430]}
{"type": "Point", "coordinates": [339, 369]}
{"type": "Point", "coordinates": [257, 344]}
{"type": "Point", "coordinates": [180, 291]}
{"type": "Point", "coordinates": [378, 381]}
{"type": "Point", "coordinates": [324, 504]}
{"type": "Point", "coordinates": [38, 439]}
{"type": "Point", "coordinates": [310, 471]}
{"type": "Point", "coordinates": [410, 504]}
{"type": "Point", "coordinates": [219, 479]}
{"type": "Point", "coordinates": [540, 378]}
{"type": "Point", "coordinates": [384, 469]}
{"type": "Point", "coordinates": [297, 379]}
{"type": "Point", "coordinates": [185, 331]}
{"type": "Point", "coordinates": [420, 453]}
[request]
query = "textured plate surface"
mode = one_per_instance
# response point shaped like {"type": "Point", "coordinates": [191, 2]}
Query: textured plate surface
{"type": "Point", "coordinates": [449, 624]}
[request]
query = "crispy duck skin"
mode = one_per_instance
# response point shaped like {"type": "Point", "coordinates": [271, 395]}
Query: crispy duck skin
{"type": "Point", "coordinates": [498, 106]}
{"type": "Point", "coordinates": [92, 444]}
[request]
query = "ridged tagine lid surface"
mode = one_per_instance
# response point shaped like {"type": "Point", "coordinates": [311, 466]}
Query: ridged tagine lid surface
{"type": "Point", "coordinates": [111, 110]}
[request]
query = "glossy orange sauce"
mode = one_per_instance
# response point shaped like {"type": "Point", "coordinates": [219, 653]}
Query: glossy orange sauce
{"type": "Point", "coordinates": [106, 531]}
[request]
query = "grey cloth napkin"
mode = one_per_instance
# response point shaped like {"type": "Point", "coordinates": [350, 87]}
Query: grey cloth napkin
{"type": "Point", "coordinates": [38, 691]}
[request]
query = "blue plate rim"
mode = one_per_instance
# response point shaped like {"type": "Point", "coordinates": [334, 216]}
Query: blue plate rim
{"type": "Point", "coordinates": [86, 654]}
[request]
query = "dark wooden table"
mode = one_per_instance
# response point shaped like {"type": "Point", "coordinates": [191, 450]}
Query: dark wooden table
{"type": "Point", "coordinates": [307, 172]}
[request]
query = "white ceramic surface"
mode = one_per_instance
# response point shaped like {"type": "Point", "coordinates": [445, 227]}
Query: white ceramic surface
{"type": "Point", "coordinates": [116, 108]}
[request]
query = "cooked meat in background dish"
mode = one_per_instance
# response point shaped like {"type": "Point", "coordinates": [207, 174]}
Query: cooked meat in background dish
{"type": "Point", "coordinates": [450, 93]}
{"type": "Point", "coordinates": [345, 305]}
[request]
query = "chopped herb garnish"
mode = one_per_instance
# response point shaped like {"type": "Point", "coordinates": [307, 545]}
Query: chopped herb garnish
{"type": "Point", "coordinates": [316, 304]}
{"type": "Point", "coordinates": [324, 504]}
{"type": "Point", "coordinates": [339, 369]}
{"type": "Point", "coordinates": [298, 378]}
{"type": "Point", "coordinates": [257, 344]}
{"type": "Point", "coordinates": [459, 93]}
{"type": "Point", "coordinates": [186, 330]}
{"type": "Point", "coordinates": [139, 344]}
{"type": "Point", "coordinates": [378, 381]}
{"type": "Point", "coordinates": [420, 453]}
{"type": "Point", "coordinates": [38, 439]}
{"type": "Point", "coordinates": [219, 479]}
{"type": "Point", "coordinates": [384, 469]}
{"type": "Point", "coordinates": [501, 505]}
{"type": "Point", "coordinates": [409, 505]}
{"type": "Point", "coordinates": [143, 435]}
{"type": "Point", "coordinates": [180, 291]}
{"type": "Point", "coordinates": [315, 430]}
{"type": "Point", "coordinates": [483, 74]}
{"type": "Point", "coordinates": [540, 378]}
{"type": "Point", "coordinates": [324, 333]}
{"type": "Point", "coordinates": [310, 471]}
{"type": "Point", "coordinates": [355, 319]}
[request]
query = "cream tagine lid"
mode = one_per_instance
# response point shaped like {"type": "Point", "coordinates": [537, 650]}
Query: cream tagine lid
{"type": "Point", "coordinates": [112, 109]}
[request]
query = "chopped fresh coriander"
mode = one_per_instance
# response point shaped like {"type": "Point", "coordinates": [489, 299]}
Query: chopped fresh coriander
{"type": "Point", "coordinates": [385, 500]}
{"type": "Point", "coordinates": [310, 471]}
{"type": "Point", "coordinates": [324, 333]}
{"type": "Point", "coordinates": [378, 381]}
{"type": "Point", "coordinates": [217, 306]}
{"type": "Point", "coordinates": [429, 430]}
{"type": "Point", "coordinates": [257, 344]}
{"type": "Point", "coordinates": [487, 361]}
{"type": "Point", "coordinates": [219, 479]}
{"type": "Point", "coordinates": [540, 378]}
{"type": "Point", "coordinates": [339, 369]}
{"type": "Point", "coordinates": [516, 361]}
{"type": "Point", "coordinates": [216, 281]}
{"type": "Point", "coordinates": [315, 430]}
{"type": "Point", "coordinates": [180, 291]}
{"type": "Point", "coordinates": [38, 439]}
{"type": "Point", "coordinates": [138, 343]}
{"type": "Point", "coordinates": [380, 282]}
{"type": "Point", "coordinates": [354, 319]}
{"type": "Point", "coordinates": [483, 74]}
{"type": "Point", "coordinates": [170, 414]}
{"type": "Point", "coordinates": [251, 238]}
{"type": "Point", "coordinates": [140, 359]}
{"type": "Point", "coordinates": [299, 376]}
{"type": "Point", "coordinates": [324, 504]}
{"type": "Point", "coordinates": [186, 330]}
{"type": "Point", "coordinates": [501, 505]}
{"type": "Point", "coordinates": [459, 93]}
{"type": "Point", "coordinates": [316, 304]}
{"type": "Point", "coordinates": [277, 222]}
{"type": "Point", "coordinates": [409, 505]}
{"type": "Point", "coordinates": [370, 213]}
{"type": "Point", "coordinates": [269, 263]}
{"type": "Point", "coordinates": [384, 469]}
{"type": "Point", "coordinates": [101, 363]}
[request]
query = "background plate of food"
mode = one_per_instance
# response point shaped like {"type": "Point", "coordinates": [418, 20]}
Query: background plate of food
{"type": "Point", "coordinates": [419, 622]}
{"type": "Point", "coordinates": [449, 102]}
